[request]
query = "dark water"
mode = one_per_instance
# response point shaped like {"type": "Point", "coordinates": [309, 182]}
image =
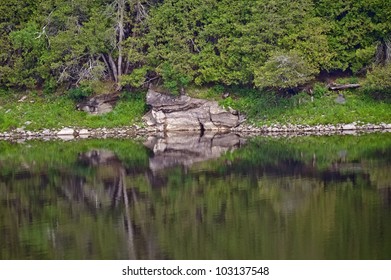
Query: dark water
{"type": "Point", "coordinates": [215, 197]}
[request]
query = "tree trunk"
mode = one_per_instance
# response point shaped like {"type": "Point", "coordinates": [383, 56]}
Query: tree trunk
{"type": "Point", "coordinates": [113, 68]}
{"type": "Point", "coordinates": [108, 66]}
{"type": "Point", "coordinates": [121, 11]}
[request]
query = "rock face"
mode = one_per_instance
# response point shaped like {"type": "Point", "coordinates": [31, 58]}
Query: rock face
{"type": "Point", "coordinates": [98, 105]}
{"type": "Point", "coordinates": [176, 113]}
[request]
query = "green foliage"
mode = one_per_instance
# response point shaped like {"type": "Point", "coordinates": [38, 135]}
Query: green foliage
{"type": "Point", "coordinates": [379, 79]}
{"type": "Point", "coordinates": [226, 42]}
{"type": "Point", "coordinates": [268, 108]}
{"type": "Point", "coordinates": [356, 28]}
{"type": "Point", "coordinates": [217, 89]}
{"type": "Point", "coordinates": [319, 90]}
{"type": "Point", "coordinates": [50, 86]}
{"type": "Point", "coordinates": [79, 93]}
{"type": "Point", "coordinates": [173, 79]}
{"type": "Point", "coordinates": [284, 70]}
{"type": "Point", "coordinates": [136, 78]}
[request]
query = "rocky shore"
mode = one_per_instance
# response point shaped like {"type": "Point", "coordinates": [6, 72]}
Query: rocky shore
{"type": "Point", "coordinates": [290, 128]}
{"type": "Point", "coordinates": [70, 133]}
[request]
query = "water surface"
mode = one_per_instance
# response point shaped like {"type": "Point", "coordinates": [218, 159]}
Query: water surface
{"type": "Point", "coordinates": [186, 197]}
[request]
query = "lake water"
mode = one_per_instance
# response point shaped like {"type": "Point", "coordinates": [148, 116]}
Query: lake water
{"type": "Point", "coordinates": [186, 197]}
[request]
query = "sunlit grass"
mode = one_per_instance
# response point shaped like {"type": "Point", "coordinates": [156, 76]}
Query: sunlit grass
{"type": "Point", "coordinates": [37, 113]}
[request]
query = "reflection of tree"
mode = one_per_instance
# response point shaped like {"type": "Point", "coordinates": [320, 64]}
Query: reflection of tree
{"type": "Point", "coordinates": [77, 211]}
{"type": "Point", "coordinates": [270, 199]}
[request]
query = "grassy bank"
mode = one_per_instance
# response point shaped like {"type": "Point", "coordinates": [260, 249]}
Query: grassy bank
{"type": "Point", "coordinates": [268, 108]}
{"type": "Point", "coordinates": [37, 111]}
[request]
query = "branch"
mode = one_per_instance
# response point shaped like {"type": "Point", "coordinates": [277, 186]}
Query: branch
{"type": "Point", "coordinates": [343, 87]}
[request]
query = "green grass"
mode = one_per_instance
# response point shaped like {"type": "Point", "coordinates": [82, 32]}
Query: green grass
{"type": "Point", "coordinates": [260, 107]}
{"type": "Point", "coordinates": [266, 108]}
{"type": "Point", "coordinates": [55, 112]}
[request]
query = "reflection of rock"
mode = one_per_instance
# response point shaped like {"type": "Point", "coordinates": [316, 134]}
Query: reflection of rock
{"type": "Point", "coordinates": [173, 113]}
{"type": "Point", "coordinates": [98, 157]}
{"type": "Point", "coordinates": [186, 149]}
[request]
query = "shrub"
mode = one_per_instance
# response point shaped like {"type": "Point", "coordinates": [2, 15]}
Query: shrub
{"type": "Point", "coordinates": [173, 79]}
{"type": "Point", "coordinates": [284, 71]}
{"type": "Point", "coordinates": [319, 90]}
{"type": "Point", "coordinates": [380, 78]}
{"type": "Point", "coordinates": [80, 93]}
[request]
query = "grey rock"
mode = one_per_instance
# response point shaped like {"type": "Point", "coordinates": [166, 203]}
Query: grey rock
{"type": "Point", "coordinates": [83, 136]}
{"type": "Point", "coordinates": [340, 99]}
{"type": "Point", "coordinates": [98, 105]}
{"type": "Point", "coordinates": [84, 132]}
{"type": "Point", "coordinates": [349, 127]}
{"type": "Point", "coordinates": [176, 113]}
{"type": "Point", "coordinates": [46, 132]}
{"type": "Point", "coordinates": [65, 137]}
{"type": "Point", "coordinates": [66, 131]}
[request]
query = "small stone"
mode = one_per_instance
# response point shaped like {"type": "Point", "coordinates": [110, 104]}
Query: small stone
{"type": "Point", "coordinates": [22, 99]}
{"type": "Point", "coordinates": [340, 99]}
{"type": "Point", "coordinates": [84, 132]}
{"type": "Point", "coordinates": [65, 137]}
{"type": "Point", "coordinates": [349, 127]}
{"type": "Point", "coordinates": [66, 131]}
{"type": "Point", "coordinates": [28, 123]}
{"type": "Point", "coordinates": [83, 136]}
{"type": "Point", "coordinates": [46, 132]}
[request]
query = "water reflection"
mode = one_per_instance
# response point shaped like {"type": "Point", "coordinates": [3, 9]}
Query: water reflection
{"type": "Point", "coordinates": [190, 197]}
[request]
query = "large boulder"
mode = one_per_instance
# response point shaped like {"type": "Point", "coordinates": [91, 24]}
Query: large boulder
{"type": "Point", "coordinates": [184, 113]}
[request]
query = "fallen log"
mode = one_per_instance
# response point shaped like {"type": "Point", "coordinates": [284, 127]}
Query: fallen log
{"type": "Point", "coordinates": [343, 87]}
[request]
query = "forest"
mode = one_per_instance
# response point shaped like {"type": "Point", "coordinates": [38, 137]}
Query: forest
{"type": "Point", "coordinates": [276, 44]}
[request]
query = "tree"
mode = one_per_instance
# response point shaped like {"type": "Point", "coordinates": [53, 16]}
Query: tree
{"type": "Point", "coordinates": [358, 29]}
{"type": "Point", "coordinates": [76, 41]}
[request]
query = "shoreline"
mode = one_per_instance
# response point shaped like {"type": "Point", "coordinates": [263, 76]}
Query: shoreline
{"type": "Point", "coordinates": [135, 131]}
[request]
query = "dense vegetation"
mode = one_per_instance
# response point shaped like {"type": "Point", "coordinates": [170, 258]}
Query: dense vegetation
{"type": "Point", "coordinates": [280, 46]}
{"type": "Point", "coordinates": [251, 42]}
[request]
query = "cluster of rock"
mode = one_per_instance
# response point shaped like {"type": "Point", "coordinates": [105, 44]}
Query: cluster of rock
{"type": "Point", "coordinates": [184, 113]}
{"type": "Point", "coordinates": [68, 133]}
{"type": "Point", "coordinates": [355, 126]}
